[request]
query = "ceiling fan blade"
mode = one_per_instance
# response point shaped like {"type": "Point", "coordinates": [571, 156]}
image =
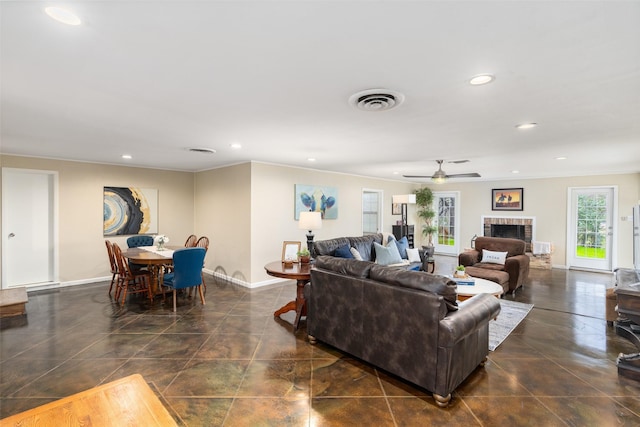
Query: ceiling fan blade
{"type": "Point", "coordinates": [458, 161]}
{"type": "Point", "coordinates": [417, 176]}
{"type": "Point", "coordinates": [464, 175]}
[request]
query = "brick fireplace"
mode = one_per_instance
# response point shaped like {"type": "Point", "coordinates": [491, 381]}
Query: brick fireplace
{"type": "Point", "coordinates": [522, 228]}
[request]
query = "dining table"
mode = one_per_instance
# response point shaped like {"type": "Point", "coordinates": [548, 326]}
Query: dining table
{"type": "Point", "coordinates": [154, 259]}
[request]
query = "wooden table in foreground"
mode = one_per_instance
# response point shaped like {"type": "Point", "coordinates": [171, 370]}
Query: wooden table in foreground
{"type": "Point", "coordinates": [127, 401]}
{"type": "Point", "coordinates": [481, 286]}
{"type": "Point", "coordinates": [301, 273]}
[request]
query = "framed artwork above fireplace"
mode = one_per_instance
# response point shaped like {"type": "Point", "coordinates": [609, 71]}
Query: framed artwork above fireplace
{"type": "Point", "coordinates": [507, 199]}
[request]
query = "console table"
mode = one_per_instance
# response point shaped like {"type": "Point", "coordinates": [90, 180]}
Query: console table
{"type": "Point", "coordinates": [628, 323]}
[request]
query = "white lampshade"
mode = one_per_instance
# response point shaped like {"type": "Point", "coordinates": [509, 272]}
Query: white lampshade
{"type": "Point", "coordinates": [310, 221]}
{"type": "Point", "coordinates": [404, 198]}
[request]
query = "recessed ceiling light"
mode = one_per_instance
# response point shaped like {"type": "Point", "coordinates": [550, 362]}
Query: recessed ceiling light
{"type": "Point", "coordinates": [235, 146]}
{"type": "Point", "coordinates": [526, 125]}
{"type": "Point", "coordinates": [561, 158]}
{"type": "Point", "coordinates": [481, 79]}
{"type": "Point", "coordinates": [126, 156]}
{"type": "Point", "coordinates": [311, 159]}
{"type": "Point", "coordinates": [62, 15]}
{"type": "Point", "coordinates": [396, 173]}
{"type": "Point", "coordinates": [515, 171]}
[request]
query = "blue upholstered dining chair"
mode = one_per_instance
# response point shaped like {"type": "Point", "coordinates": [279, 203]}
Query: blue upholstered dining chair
{"type": "Point", "coordinates": [139, 240]}
{"type": "Point", "coordinates": [187, 271]}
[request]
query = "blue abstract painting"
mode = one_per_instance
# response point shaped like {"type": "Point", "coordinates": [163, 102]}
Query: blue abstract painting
{"type": "Point", "coordinates": [316, 199]}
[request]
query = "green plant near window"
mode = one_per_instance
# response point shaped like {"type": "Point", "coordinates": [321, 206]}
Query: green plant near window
{"type": "Point", "coordinates": [424, 202]}
{"type": "Point", "coordinates": [303, 252]}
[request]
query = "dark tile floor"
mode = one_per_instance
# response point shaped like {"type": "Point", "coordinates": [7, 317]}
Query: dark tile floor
{"type": "Point", "coordinates": [231, 363]}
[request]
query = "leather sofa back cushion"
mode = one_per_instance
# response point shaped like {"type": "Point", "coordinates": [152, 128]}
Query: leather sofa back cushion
{"type": "Point", "coordinates": [364, 245]}
{"type": "Point", "coordinates": [513, 247]}
{"type": "Point", "coordinates": [327, 247]}
{"type": "Point", "coordinates": [346, 266]}
{"type": "Point", "coordinates": [419, 280]}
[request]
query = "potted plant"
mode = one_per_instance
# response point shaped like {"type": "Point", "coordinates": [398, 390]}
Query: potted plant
{"type": "Point", "coordinates": [304, 256]}
{"type": "Point", "coordinates": [459, 271]}
{"type": "Point", "coordinates": [424, 201]}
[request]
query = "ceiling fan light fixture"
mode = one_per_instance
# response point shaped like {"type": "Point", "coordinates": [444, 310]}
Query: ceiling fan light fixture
{"type": "Point", "coordinates": [438, 179]}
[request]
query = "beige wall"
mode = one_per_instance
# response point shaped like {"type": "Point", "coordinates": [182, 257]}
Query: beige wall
{"type": "Point", "coordinates": [272, 208]}
{"type": "Point", "coordinates": [247, 211]}
{"type": "Point", "coordinates": [223, 213]}
{"type": "Point", "coordinates": [546, 200]}
{"type": "Point", "coordinates": [82, 254]}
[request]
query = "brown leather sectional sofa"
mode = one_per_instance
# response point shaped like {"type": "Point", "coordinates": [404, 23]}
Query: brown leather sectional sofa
{"type": "Point", "coordinates": [407, 323]}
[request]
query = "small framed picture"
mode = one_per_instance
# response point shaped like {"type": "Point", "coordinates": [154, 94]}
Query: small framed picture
{"type": "Point", "coordinates": [290, 251]}
{"type": "Point", "coordinates": [396, 209]}
{"type": "Point", "coordinates": [507, 199]}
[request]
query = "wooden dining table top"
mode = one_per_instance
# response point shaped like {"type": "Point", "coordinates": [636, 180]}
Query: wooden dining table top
{"type": "Point", "coordinates": [143, 256]}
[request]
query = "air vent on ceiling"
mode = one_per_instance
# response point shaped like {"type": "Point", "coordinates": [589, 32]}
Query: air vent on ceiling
{"type": "Point", "coordinates": [376, 99]}
{"type": "Point", "coordinates": [203, 150]}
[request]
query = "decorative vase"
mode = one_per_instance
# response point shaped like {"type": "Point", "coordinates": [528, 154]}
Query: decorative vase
{"type": "Point", "coordinates": [161, 246]}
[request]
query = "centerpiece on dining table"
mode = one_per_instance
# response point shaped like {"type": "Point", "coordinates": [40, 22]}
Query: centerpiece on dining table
{"type": "Point", "coordinates": [160, 241]}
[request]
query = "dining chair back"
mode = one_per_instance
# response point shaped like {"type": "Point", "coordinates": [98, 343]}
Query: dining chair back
{"type": "Point", "coordinates": [112, 264]}
{"type": "Point", "coordinates": [139, 240]}
{"type": "Point", "coordinates": [203, 242]}
{"type": "Point", "coordinates": [187, 271]}
{"type": "Point", "coordinates": [191, 241]}
{"type": "Point", "coordinates": [132, 281]}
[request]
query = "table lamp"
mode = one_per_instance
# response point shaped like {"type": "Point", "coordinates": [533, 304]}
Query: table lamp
{"type": "Point", "coordinates": [403, 200]}
{"type": "Point", "coordinates": [310, 221]}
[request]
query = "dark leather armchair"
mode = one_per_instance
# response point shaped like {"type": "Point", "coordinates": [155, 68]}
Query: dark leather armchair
{"type": "Point", "coordinates": [511, 275]}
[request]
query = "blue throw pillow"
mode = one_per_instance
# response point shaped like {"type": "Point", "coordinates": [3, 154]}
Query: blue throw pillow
{"type": "Point", "coordinates": [403, 245]}
{"type": "Point", "coordinates": [343, 252]}
{"type": "Point", "coordinates": [386, 255]}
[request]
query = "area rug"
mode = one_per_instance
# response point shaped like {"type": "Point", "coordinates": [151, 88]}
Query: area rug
{"type": "Point", "coordinates": [511, 314]}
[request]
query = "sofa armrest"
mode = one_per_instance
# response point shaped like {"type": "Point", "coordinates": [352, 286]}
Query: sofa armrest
{"type": "Point", "coordinates": [518, 268]}
{"type": "Point", "coordinates": [471, 316]}
{"type": "Point", "coordinates": [469, 258]}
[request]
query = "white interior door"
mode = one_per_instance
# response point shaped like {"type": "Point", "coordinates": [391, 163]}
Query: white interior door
{"type": "Point", "coordinates": [591, 228]}
{"type": "Point", "coordinates": [28, 227]}
{"type": "Point", "coordinates": [447, 220]}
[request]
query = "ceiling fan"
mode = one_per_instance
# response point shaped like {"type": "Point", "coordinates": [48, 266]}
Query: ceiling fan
{"type": "Point", "coordinates": [440, 176]}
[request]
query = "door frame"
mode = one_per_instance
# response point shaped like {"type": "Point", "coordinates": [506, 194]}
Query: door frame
{"type": "Point", "coordinates": [571, 231]}
{"type": "Point", "coordinates": [53, 217]}
{"type": "Point", "coordinates": [380, 208]}
{"type": "Point", "coordinates": [454, 250]}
